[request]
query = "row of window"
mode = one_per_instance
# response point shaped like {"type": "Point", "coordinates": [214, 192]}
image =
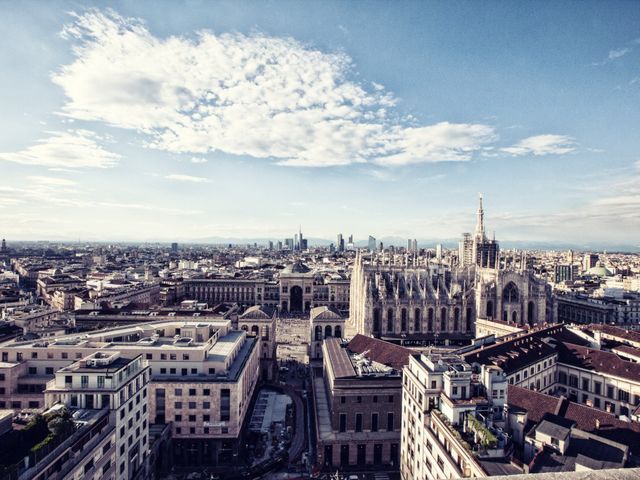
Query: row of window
{"type": "Point", "coordinates": [342, 427]}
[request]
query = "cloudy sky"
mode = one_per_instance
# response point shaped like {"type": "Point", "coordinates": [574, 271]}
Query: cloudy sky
{"type": "Point", "coordinates": [185, 120]}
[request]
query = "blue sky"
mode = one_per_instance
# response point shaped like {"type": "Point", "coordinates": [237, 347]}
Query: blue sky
{"type": "Point", "coordinates": [184, 120]}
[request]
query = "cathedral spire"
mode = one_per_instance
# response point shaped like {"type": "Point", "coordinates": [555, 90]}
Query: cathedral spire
{"type": "Point", "coordinates": [480, 220]}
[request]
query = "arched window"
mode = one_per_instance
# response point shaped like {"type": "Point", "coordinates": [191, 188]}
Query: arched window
{"type": "Point", "coordinates": [390, 320]}
{"type": "Point", "coordinates": [338, 331]}
{"type": "Point", "coordinates": [530, 313]}
{"type": "Point", "coordinates": [376, 320]}
{"type": "Point", "coordinates": [489, 309]}
{"type": "Point", "coordinates": [514, 316]}
{"type": "Point", "coordinates": [318, 333]}
{"type": "Point", "coordinates": [327, 331]}
{"type": "Point", "coordinates": [443, 319]}
{"type": "Point", "coordinates": [417, 320]}
{"type": "Point", "coordinates": [510, 293]}
{"type": "Point", "coordinates": [505, 316]}
{"type": "Point", "coordinates": [403, 320]}
{"type": "Point", "coordinates": [254, 330]}
{"type": "Point", "coordinates": [245, 328]}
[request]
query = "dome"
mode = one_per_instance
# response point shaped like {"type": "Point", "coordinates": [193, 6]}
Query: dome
{"type": "Point", "coordinates": [297, 267]}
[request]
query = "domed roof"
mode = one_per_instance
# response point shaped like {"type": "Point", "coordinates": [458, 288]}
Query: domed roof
{"type": "Point", "coordinates": [600, 271]}
{"type": "Point", "coordinates": [297, 267]}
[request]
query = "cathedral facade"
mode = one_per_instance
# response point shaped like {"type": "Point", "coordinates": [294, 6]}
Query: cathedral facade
{"type": "Point", "coordinates": [421, 302]}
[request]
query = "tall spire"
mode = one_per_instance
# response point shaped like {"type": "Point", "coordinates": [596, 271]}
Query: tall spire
{"type": "Point", "coordinates": [480, 220]}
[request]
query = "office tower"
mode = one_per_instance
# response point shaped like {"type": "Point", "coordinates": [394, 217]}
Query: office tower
{"type": "Point", "coordinates": [372, 243]}
{"type": "Point", "coordinates": [589, 260]}
{"type": "Point", "coordinates": [340, 243]}
{"type": "Point", "coordinates": [174, 247]}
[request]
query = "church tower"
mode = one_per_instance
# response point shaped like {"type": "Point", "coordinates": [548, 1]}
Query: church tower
{"type": "Point", "coordinates": [485, 251]}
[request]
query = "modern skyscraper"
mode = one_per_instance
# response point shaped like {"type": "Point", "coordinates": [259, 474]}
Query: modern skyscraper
{"type": "Point", "coordinates": [372, 243]}
{"type": "Point", "coordinates": [340, 243]}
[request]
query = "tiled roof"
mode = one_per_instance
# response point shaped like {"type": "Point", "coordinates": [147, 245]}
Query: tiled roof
{"type": "Point", "coordinates": [536, 404]}
{"type": "Point", "coordinates": [598, 360]}
{"type": "Point", "coordinates": [630, 335]}
{"type": "Point", "coordinates": [380, 351]}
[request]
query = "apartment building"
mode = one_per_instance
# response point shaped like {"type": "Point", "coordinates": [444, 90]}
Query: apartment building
{"type": "Point", "coordinates": [106, 380]}
{"type": "Point", "coordinates": [202, 378]}
{"type": "Point", "coordinates": [452, 418]}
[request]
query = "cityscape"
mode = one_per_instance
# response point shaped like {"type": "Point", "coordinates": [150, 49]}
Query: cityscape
{"type": "Point", "coordinates": [319, 240]}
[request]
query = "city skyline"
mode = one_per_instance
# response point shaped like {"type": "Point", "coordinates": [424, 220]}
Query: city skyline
{"type": "Point", "coordinates": [130, 124]}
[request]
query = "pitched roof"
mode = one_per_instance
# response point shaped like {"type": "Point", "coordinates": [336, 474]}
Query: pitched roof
{"type": "Point", "coordinates": [598, 360]}
{"type": "Point", "coordinates": [380, 351]}
{"type": "Point", "coordinates": [587, 419]}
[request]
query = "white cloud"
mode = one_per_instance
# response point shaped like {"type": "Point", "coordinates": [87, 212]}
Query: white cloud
{"type": "Point", "coordinates": [621, 52]}
{"type": "Point", "coordinates": [542, 145]}
{"type": "Point", "coordinates": [186, 178]}
{"type": "Point", "coordinates": [51, 181]}
{"type": "Point", "coordinates": [443, 142]}
{"type": "Point", "coordinates": [198, 160]}
{"type": "Point", "coordinates": [76, 149]}
{"type": "Point", "coordinates": [260, 96]}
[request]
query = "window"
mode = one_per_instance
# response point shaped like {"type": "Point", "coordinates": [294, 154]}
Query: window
{"type": "Point", "coordinates": [225, 405]}
{"type": "Point", "coordinates": [192, 392]}
{"type": "Point", "coordinates": [358, 422]}
{"type": "Point", "coordinates": [343, 399]}
{"type": "Point", "coordinates": [178, 405]}
{"type": "Point", "coordinates": [192, 418]}
{"type": "Point", "coordinates": [375, 399]}
{"type": "Point", "coordinates": [206, 405]}
{"type": "Point", "coordinates": [390, 399]}
{"type": "Point", "coordinates": [178, 418]}
{"type": "Point", "coordinates": [623, 396]}
{"type": "Point", "coordinates": [206, 392]}
{"type": "Point", "coordinates": [597, 388]}
{"type": "Point", "coordinates": [610, 391]}
{"type": "Point", "coordinates": [343, 422]}
{"type": "Point", "coordinates": [562, 378]}
{"type": "Point", "coordinates": [192, 405]}
{"type": "Point", "coordinates": [33, 371]}
{"type": "Point", "coordinates": [374, 422]}
{"type": "Point", "coordinates": [390, 425]}
{"type": "Point", "coordinates": [48, 370]}
{"type": "Point", "coordinates": [585, 384]}
{"type": "Point", "coordinates": [178, 392]}
{"type": "Point", "coordinates": [359, 399]}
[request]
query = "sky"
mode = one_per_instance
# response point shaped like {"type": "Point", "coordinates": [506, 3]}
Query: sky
{"type": "Point", "coordinates": [178, 121]}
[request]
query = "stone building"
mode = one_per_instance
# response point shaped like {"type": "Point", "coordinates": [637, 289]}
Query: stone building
{"type": "Point", "coordinates": [425, 302]}
{"type": "Point", "coordinates": [324, 323]}
{"type": "Point", "coordinates": [358, 403]}
{"type": "Point", "coordinates": [260, 322]}
{"type": "Point", "coordinates": [297, 289]}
